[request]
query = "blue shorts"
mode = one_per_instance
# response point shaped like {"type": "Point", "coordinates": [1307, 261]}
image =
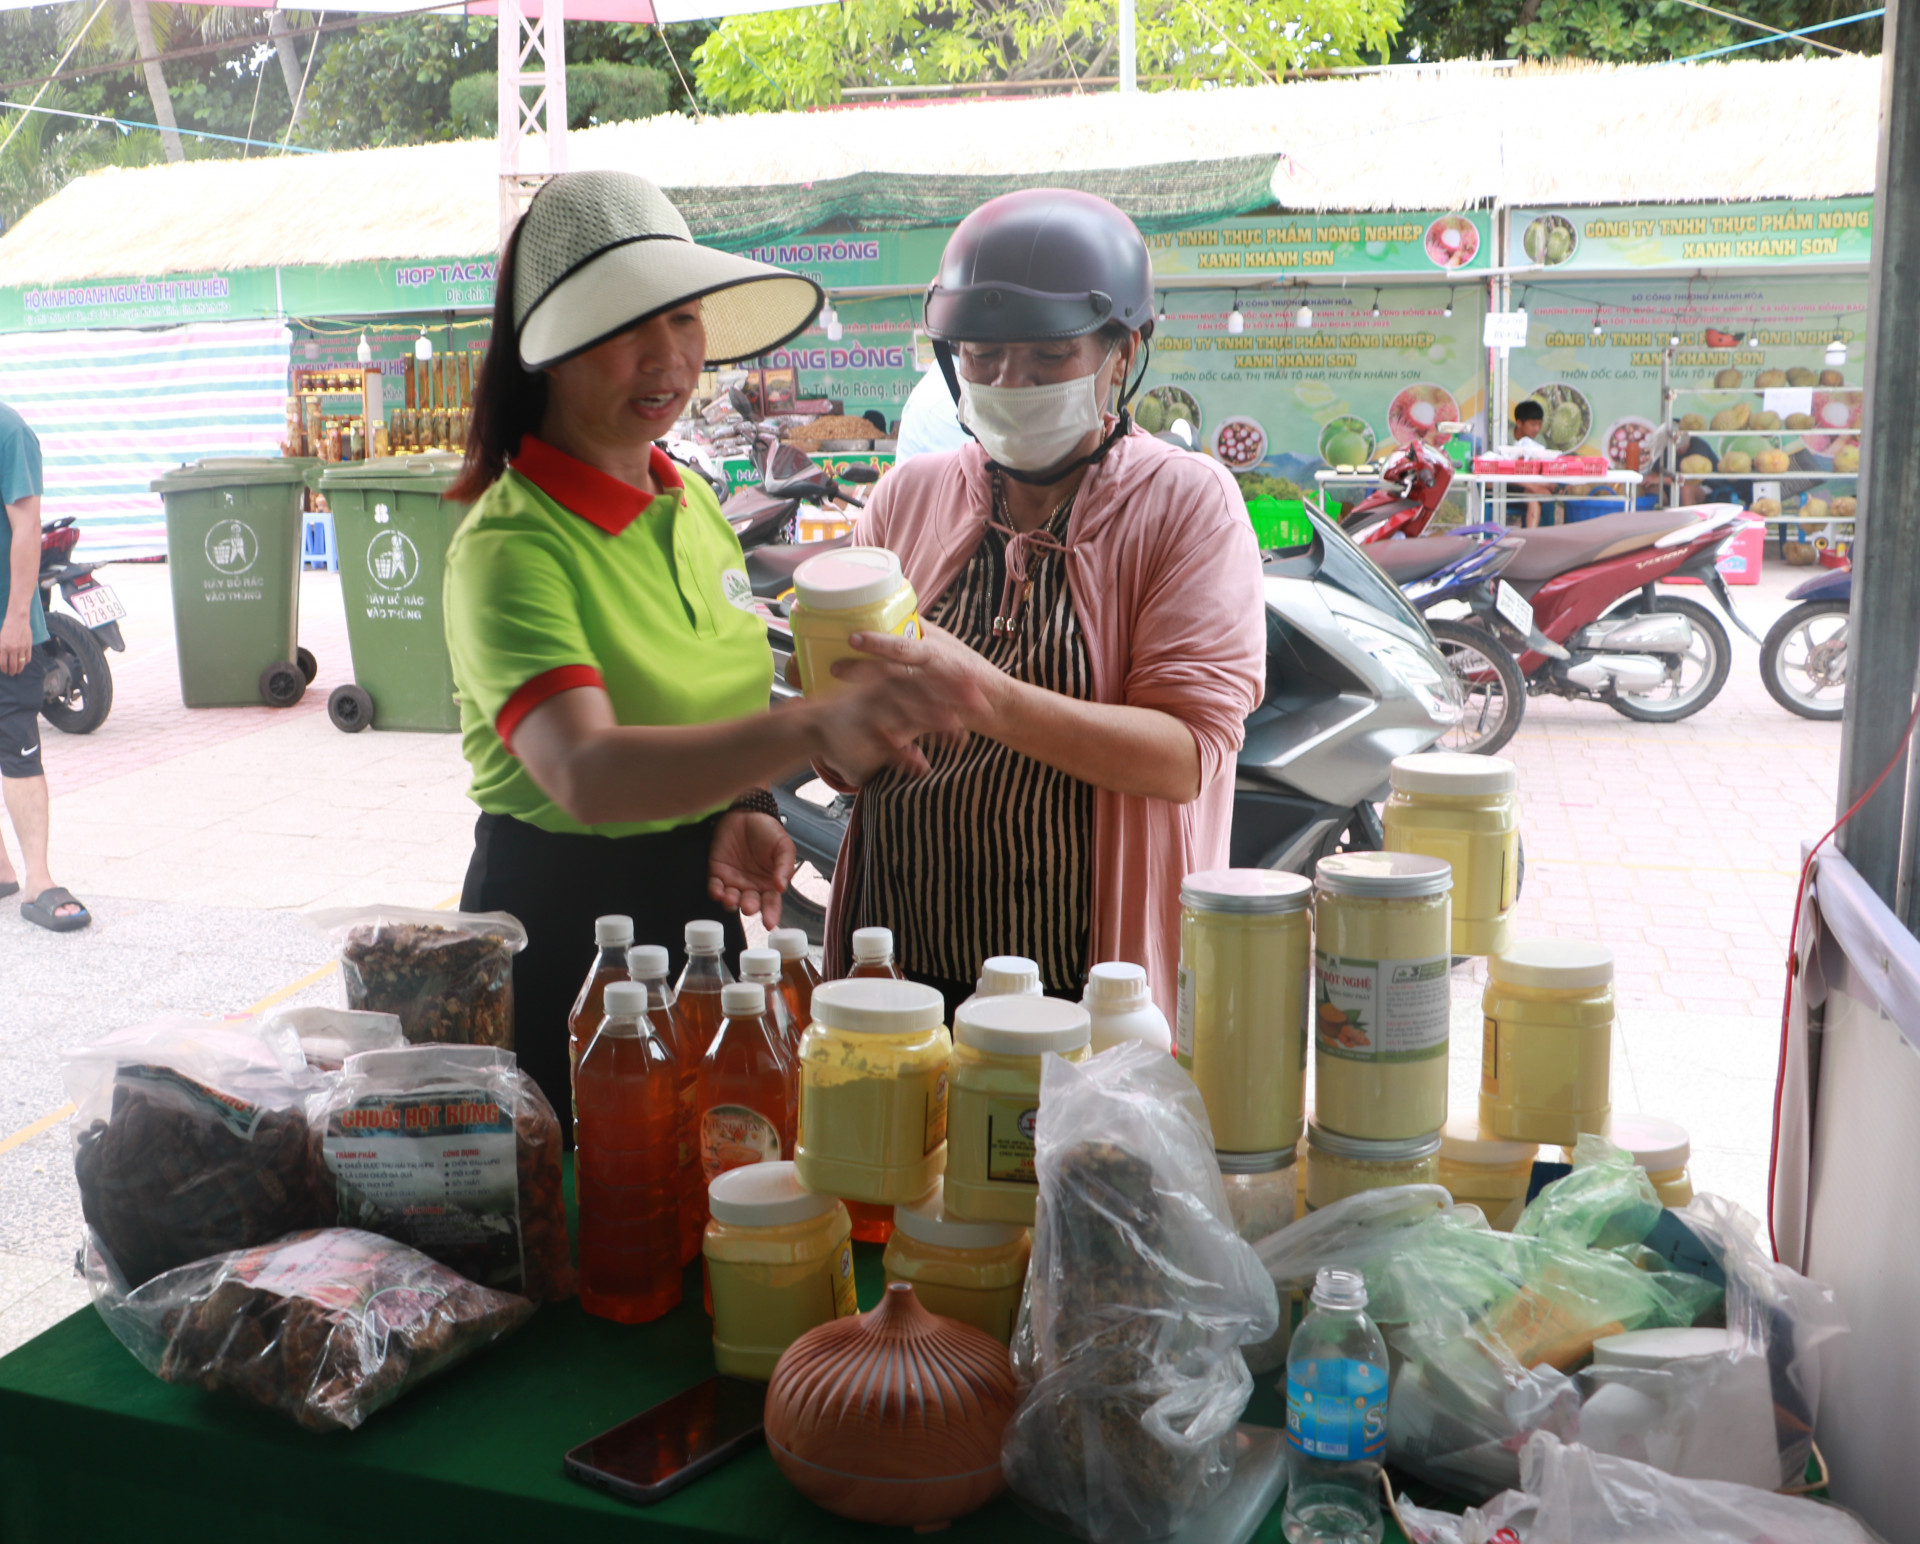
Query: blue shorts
{"type": "Point", "coordinates": [20, 720]}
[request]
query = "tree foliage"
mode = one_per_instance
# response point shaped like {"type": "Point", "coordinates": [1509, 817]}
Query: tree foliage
{"type": "Point", "coordinates": [1618, 31]}
{"type": "Point", "coordinates": [596, 93]}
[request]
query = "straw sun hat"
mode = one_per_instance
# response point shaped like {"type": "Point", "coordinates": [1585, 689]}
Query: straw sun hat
{"type": "Point", "coordinates": [600, 251]}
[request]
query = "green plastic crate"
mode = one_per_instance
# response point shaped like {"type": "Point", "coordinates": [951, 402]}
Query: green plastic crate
{"type": "Point", "coordinates": [1279, 523]}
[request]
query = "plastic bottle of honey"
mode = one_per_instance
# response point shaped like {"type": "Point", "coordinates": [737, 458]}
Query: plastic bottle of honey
{"type": "Point", "coordinates": [647, 965]}
{"type": "Point", "coordinates": [612, 937]}
{"type": "Point", "coordinates": [627, 1163]}
{"type": "Point", "coordinates": [697, 992]}
{"type": "Point", "coordinates": [746, 1093]}
{"type": "Point", "coordinates": [798, 977]}
{"type": "Point", "coordinates": [872, 957]}
{"type": "Point", "coordinates": [838, 594]}
{"type": "Point", "coordinates": [762, 966]}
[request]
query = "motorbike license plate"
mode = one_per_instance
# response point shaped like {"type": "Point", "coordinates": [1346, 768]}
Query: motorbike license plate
{"type": "Point", "coordinates": [1515, 607]}
{"type": "Point", "coordinates": [97, 605]}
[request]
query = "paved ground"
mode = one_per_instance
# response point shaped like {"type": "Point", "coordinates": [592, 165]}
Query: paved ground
{"type": "Point", "coordinates": [198, 837]}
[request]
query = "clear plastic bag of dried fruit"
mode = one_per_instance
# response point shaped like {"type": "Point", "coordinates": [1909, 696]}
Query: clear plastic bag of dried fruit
{"type": "Point", "coordinates": [325, 1326]}
{"type": "Point", "coordinates": [328, 1036]}
{"type": "Point", "coordinates": [448, 975]}
{"type": "Point", "coordinates": [454, 1150]}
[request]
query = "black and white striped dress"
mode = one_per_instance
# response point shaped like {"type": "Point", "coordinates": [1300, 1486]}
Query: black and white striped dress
{"type": "Point", "coordinates": [991, 853]}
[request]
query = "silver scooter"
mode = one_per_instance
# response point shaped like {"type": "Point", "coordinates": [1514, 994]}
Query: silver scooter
{"type": "Point", "coordinates": [1353, 680]}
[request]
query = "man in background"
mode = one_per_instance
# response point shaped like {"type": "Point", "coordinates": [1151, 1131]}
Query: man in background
{"type": "Point", "coordinates": [23, 628]}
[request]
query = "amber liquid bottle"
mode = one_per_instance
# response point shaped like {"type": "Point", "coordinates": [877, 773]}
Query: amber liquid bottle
{"type": "Point", "coordinates": [627, 1164]}
{"type": "Point", "coordinates": [798, 977]}
{"type": "Point", "coordinates": [647, 964]}
{"type": "Point", "coordinates": [697, 992]}
{"type": "Point", "coordinates": [872, 956]}
{"type": "Point", "coordinates": [612, 937]}
{"type": "Point", "coordinates": [762, 967]}
{"type": "Point", "coordinates": [748, 1112]}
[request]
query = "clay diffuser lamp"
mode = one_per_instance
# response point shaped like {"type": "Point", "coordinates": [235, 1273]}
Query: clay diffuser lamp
{"type": "Point", "coordinates": [894, 1416]}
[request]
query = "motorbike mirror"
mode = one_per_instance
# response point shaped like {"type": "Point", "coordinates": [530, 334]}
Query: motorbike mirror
{"type": "Point", "coordinates": [742, 404]}
{"type": "Point", "coordinates": [861, 474]}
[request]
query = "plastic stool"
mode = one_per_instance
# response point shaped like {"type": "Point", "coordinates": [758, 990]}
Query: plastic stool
{"type": "Point", "coordinates": [319, 550]}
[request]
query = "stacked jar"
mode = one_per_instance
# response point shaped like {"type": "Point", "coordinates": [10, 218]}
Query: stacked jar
{"type": "Point", "coordinates": [970, 1271]}
{"type": "Point", "coordinates": [1661, 1147]}
{"type": "Point", "coordinates": [1383, 940]}
{"type": "Point", "coordinates": [779, 1263]}
{"type": "Point", "coordinates": [1463, 810]}
{"type": "Point", "coordinates": [1546, 1055]}
{"type": "Point", "coordinates": [1483, 1171]}
{"type": "Point", "coordinates": [998, 1046]}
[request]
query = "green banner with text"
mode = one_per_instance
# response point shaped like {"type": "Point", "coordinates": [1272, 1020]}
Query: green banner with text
{"type": "Point", "coordinates": [1780, 233]}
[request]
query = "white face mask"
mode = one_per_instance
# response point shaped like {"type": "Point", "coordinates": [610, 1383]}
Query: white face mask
{"type": "Point", "coordinates": [1032, 428]}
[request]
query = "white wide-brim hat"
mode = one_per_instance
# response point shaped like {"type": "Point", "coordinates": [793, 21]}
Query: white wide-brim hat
{"type": "Point", "coordinates": [602, 251]}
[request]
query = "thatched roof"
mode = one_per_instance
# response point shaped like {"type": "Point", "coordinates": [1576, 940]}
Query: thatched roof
{"type": "Point", "coordinates": [1444, 138]}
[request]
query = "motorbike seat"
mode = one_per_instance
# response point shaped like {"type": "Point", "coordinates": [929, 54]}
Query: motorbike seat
{"type": "Point", "coordinates": [1559, 549]}
{"type": "Point", "coordinates": [1415, 558]}
{"type": "Point", "coordinates": [770, 569]}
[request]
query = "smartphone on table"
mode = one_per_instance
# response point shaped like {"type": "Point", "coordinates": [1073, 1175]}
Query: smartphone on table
{"type": "Point", "coordinates": [649, 1457]}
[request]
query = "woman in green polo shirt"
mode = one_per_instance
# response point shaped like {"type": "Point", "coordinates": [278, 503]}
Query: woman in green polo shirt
{"type": "Point", "coordinates": [611, 670]}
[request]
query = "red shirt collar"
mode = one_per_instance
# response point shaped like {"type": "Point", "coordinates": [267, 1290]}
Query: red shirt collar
{"type": "Point", "coordinates": [588, 492]}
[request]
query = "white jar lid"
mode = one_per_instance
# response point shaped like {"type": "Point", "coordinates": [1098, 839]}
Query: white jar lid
{"type": "Point", "coordinates": [1116, 986]}
{"type": "Point", "coordinates": [1656, 1348]}
{"type": "Point", "coordinates": [790, 941]}
{"type": "Point", "coordinates": [847, 579]}
{"type": "Point", "coordinates": [705, 937]}
{"type": "Point", "coordinates": [625, 999]}
{"type": "Point", "coordinates": [1553, 963]}
{"type": "Point", "coordinates": [645, 961]}
{"type": "Point", "coordinates": [1259, 892]}
{"type": "Point", "coordinates": [877, 1005]}
{"type": "Point", "coordinates": [1392, 876]}
{"type": "Point", "coordinates": [760, 965]}
{"type": "Point", "coordinates": [1655, 1144]}
{"type": "Point", "coordinates": [748, 997]}
{"type": "Point", "coordinates": [1461, 1142]}
{"type": "Point", "coordinates": [1020, 1026]}
{"type": "Point", "coordinates": [613, 932]}
{"type": "Point", "coordinates": [1362, 1151]}
{"type": "Point", "coordinates": [1454, 772]}
{"type": "Point", "coordinates": [872, 943]}
{"type": "Point", "coordinates": [927, 1221]}
{"type": "Point", "coordinates": [764, 1195]}
{"type": "Point", "coordinates": [1008, 975]}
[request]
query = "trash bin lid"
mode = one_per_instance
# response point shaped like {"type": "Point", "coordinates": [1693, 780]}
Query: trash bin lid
{"type": "Point", "coordinates": [235, 471]}
{"type": "Point", "coordinates": [432, 469]}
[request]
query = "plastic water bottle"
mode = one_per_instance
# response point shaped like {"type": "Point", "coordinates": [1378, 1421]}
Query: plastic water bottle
{"type": "Point", "coordinates": [1336, 1417]}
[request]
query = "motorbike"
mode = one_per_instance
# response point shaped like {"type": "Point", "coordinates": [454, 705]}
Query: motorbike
{"type": "Point", "coordinates": [1353, 680]}
{"type": "Point", "coordinates": [1414, 482]}
{"type": "Point", "coordinates": [79, 686]}
{"type": "Point", "coordinates": [1803, 662]}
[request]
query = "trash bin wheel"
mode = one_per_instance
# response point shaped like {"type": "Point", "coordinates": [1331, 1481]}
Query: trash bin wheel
{"type": "Point", "coordinates": [350, 708]}
{"type": "Point", "coordinates": [281, 684]}
{"type": "Point", "coordinates": [309, 666]}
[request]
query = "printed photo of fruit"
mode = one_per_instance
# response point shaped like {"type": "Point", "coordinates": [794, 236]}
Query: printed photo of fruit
{"type": "Point", "coordinates": [1346, 441]}
{"type": "Point", "coordinates": [1158, 410]}
{"type": "Point", "coordinates": [1833, 410]}
{"type": "Point", "coordinates": [1417, 412]}
{"type": "Point", "coordinates": [1550, 239]}
{"type": "Point", "coordinates": [1623, 434]}
{"type": "Point", "coordinates": [1452, 242]}
{"type": "Point", "coordinates": [1239, 443]}
{"type": "Point", "coordinates": [1569, 416]}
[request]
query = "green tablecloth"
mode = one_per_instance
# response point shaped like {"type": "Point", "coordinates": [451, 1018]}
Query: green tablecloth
{"type": "Point", "coordinates": [94, 1448]}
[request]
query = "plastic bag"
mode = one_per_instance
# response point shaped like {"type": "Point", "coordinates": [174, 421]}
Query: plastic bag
{"type": "Point", "coordinates": [1571, 1495]}
{"type": "Point", "coordinates": [328, 1036]}
{"type": "Point", "coordinates": [1607, 1202]}
{"type": "Point", "coordinates": [325, 1326]}
{"type": "Point", "coordinates": [447, 974]}
{"type": "Point", "coordinates": [1139, 1295]}
{"type": "Point", "coordinates": [1350, 1233]}
{"type": "Point", "coordinates": [454, 1150]}
{"type": "Point", "coordinates": [190, 1139]}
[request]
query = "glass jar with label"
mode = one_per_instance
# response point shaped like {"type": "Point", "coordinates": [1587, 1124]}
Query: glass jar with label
{"type": "Point", "coordinates": [1483, 1171]}
{"type": "Point", "coordinates": [1246, 974]}
{"type": "Point", "coordinates": [1463, 809]}
{"type": "Point", "coordinates": [997, 1046]}
{"type": "Point", "coordinates": [1340, 1166]}
{"type": "Point", "coordinates": [1382, 956]}
{"type": "Point", "coordinates": [840, 593]}
{"type": "Point", "coordinates": [970, 1271]}
{"type": "Point", "coordinates": [873, 1091]}
{"type": "Point", "coordinates": [779, 1263]}
{"type": "Point", "coordinates": [1546, 1055]}
{"type": "Point", "coordinates": [1661, 1147]}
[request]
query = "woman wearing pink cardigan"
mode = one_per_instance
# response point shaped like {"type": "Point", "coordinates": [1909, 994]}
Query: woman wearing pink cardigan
{"type": "Point", "coordinates": [1092, 608]}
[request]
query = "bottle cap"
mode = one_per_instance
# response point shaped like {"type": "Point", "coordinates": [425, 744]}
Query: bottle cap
{"type": "Point", "coordinates": [646, 962]}
{"type": "Point", "coordinates": [874, 1005]}
{"type": "Point", "coordinates": [847, 579]}
{"type": "Point", "coordinates": [872, 944]}
{"type": "Point", "coordinates": [1462, 1143]}
{"type": "Point", "coordinates": [705, 937]}
{"type": "Point", "coordinates": [1656, 1145]}
{"type": "Point", "coordinates": [759, 964]}
{"type": "Point", "coordinates": [1361, 1150]}
{"type": "Point", "coordinates": [1257, 892]}
{"type": "Point", "coordinates": [613, 932]}
{"type": "Point", "coordinates": [1021, 1026]}
{"type": "Point", "coordinates": [739, 998]}
{"type": "Point", "coordinates": [1389, 876]}
{"type": "Point", "coordinates": [1116, 986]}
{"type": "Point", "coordinates": [625, 999]}
{"type": "Point", "coordinates": [1009, 975]}
{"type": "Point", "coordinates": [1335, 1288]}
{"type": "Point", "coordinates": [1564, 964]}
{"type": "Point", "coordinates": [790, 941]}
{"type": "Point", "coordinates": [927, 1220]}
{"type": "Point", "coordinates": [764, 1195]}
{"type": "Point", "coordinates": [1453, 772]}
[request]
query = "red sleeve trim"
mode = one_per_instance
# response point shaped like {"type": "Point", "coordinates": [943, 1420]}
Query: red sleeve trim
{"type": "Point", "coordinates": [549, 683]}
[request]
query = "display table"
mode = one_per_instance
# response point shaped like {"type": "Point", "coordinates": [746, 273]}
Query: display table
{"type": "Point", "coordinates": [95, 1448]}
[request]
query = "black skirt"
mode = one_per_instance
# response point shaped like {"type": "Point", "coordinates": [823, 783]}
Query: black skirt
{"type": "Point", "coordinates": [556, 884]}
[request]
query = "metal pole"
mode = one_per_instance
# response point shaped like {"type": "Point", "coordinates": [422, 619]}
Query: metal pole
{"type": "Point", "coordinates": [1883, 639]}
{"type": "Point", "coordinates": [1129, 74]}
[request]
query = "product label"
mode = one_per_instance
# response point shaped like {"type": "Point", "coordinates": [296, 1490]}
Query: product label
{"type": "Point", "coordinates": [1490, 1059]}
{"type": "Point", "coordinates": [936, 1115]}
{"type": "Point", "coordinates": [1337, 1410]}
{"type": "Point", "coordinates": [1381, 1010]}
{"type": "Point", "coordinates": [1183, 1029]}
{"type": "Point", "coordinates": [845, 1303]}
{"type": "Point", "coordinates": [733, 1136]}
{"type": "Point", "coordinates": [438, 1171]}
{"type": "Point", "coordinates": [341, 1273]}
{"type": "Point", "coordinates": [1010, 1127]}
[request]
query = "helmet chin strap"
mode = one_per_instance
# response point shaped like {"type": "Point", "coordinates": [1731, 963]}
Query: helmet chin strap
{"type": "Point", "coordinates": [1046, 478]}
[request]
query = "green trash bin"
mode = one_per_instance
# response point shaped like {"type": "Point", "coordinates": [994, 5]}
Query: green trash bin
{"type": "Point", "coordinates": [234, 534]}
{"type": "Point", "coordinates": [392, 529]}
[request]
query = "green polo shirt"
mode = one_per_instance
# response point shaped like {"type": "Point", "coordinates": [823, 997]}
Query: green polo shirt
{"type": "Point", "coordinates": [561, 577]}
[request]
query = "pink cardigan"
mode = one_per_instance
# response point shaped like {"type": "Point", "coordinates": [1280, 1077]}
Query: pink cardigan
{"type": "Point", "coordinates": [1166, 584]}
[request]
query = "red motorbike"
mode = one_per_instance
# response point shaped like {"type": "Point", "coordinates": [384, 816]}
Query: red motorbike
{"type": "Point", "coordinates": [1416, 480]}
{"type": "Point", "coordinates": [1582, 601]}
